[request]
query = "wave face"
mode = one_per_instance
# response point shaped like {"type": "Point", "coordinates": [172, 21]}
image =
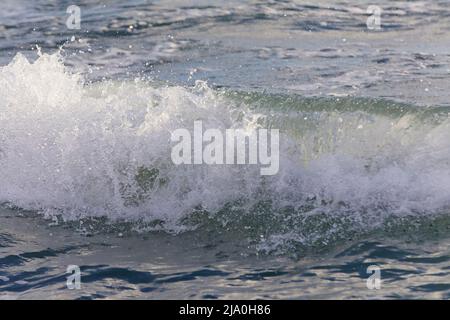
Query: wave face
{"type": "Point", "coordinates": [82, 150]}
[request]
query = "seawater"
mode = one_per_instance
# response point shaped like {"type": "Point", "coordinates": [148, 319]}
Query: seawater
{"type": "Point", "coordinates": [87, 177]}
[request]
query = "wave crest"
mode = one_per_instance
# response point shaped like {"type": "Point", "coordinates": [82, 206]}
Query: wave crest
{"type": "Point", "coordinates": [103, 149]}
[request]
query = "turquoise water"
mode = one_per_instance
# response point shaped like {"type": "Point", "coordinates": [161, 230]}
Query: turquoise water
{"type": "Point", "coordinates": [87, 178]}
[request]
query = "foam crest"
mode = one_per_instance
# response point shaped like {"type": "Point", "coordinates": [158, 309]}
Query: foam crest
{"type": "Point", "coordinates": [103, 149]}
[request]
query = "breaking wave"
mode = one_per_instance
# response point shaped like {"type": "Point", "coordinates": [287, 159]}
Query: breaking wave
{"type": "Point", "coordinates": [81, 150]}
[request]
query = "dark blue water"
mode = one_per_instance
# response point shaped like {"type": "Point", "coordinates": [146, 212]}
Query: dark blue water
{"type": "Point", "coordinates": [34, 258]}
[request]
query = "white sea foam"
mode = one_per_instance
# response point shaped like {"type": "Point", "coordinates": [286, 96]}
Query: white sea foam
{"type": "Point", "coordinates": [77, 148]}
{"type": "Point", "coordinates": [103, 149]}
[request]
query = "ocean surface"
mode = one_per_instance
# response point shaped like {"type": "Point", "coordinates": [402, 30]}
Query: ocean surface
{"type": "Point", "coordinates": [87, 180]}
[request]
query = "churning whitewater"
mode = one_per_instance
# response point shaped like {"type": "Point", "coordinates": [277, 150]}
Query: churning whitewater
{"type": "Point", "coordinates": [76, 149]}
